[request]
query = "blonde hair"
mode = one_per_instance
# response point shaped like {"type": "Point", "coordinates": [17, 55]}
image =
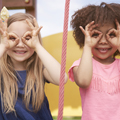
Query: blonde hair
{"type": "Point", "coordinates": [34, 82]}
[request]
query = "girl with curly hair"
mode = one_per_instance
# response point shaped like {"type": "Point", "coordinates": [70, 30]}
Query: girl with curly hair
{"type": "Point", "coordinates": [96, 29]}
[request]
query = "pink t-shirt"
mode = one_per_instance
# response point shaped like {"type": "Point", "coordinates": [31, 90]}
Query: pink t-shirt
{"type": "Point", "coordinates": [101, 100]}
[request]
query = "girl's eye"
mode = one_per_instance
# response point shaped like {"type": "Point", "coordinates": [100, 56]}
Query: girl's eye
{"type": "Point", "coordinates": [112, 35]}
{"type": "Point", "coordinates": [95, 35]}
{"type": "Point", "coordinates": [12, 38]}
{"type": "Point", "coordinates": [28, 37]}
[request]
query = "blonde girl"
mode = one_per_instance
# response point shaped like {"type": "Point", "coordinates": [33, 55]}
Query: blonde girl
{"type": "Point", "coordinates": [25, 67]}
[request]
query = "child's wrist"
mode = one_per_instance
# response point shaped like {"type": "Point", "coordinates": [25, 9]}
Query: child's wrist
{"type": "Point", "coordinates": [87, 47]}
{"type": "Point", "coordinates": [37, 48]}
{"type": "Point", "coordinates": [2, 46]}
{"type": "Point", "coordinates": [3, 50]}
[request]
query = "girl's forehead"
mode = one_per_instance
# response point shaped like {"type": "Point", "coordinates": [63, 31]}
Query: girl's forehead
{"type": "Point", "coordinates": [19, 27]}
{"type": "Point", "coordinates": [105, 27]}
{"type": "Point", "coordinates": [18, 24]}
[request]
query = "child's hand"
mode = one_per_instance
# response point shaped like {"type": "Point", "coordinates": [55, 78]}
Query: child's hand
{"type": "Point", "coordinates": [6, 40]}
{"type": "Point", "coordinates": [113, 36]}
{"type": "Point", "coordinates": [30, 38]}
{"type": "Point", "coordinates": [92, 36]}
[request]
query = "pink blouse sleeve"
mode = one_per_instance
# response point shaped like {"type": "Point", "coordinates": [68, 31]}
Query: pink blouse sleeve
{"type": "Point", "coordinates": [70, 72]}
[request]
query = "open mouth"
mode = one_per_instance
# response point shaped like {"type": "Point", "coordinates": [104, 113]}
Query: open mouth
{"type": "Point", "coordinates": [103, 50]}
{"type": "Point", "coordinates": [20, 52]}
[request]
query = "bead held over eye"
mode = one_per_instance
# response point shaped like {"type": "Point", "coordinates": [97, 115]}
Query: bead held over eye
{"type": "Point", "coordinates": [4, 14]}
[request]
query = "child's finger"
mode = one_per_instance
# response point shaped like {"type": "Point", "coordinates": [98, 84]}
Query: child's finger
{"type": "Point", "coordinates": [24, 40]}
{"type": "Point", "coordinates": [0, 20]}
{"type": "Point", "coordinates": [5, 22]}
{"type": "Point", "coordinates": [96, 33]}
{"type": "Point", "coordinates": [100, 36]}
{"type": "Point", "coordinates": [82, 29]}
{"type": "Point", "coordinates": [4, 25]}
{"type": "Point", "coordinates": [16, 42]}
{"type": "Point", "coordinates": [13, 43]}
{"type": "Point", "coordinates": [0, 23]}
{"type": "Point", "coordinates": [117, 24]}
{"type": "Point", "coordinates": [27, 33]}
{"type": "Point", "coordinates": [112, 31]}
{"type": "Point", "coordinates": [12, 35]}
{"type": "Point", "coordinates": [1, 31]}
{"type": "Point", "coordinates": [38, 30]}
{"type": "Point", "coordinates": [35, 22]}
{"type": "Point", "coordinates": [93, 26]}
{"type": "Point", "coordinates": [108, 37]}
{"type": "Point", "coordinates": [30, 24]}
{"type": "Point", "coordinates": [89, 25]}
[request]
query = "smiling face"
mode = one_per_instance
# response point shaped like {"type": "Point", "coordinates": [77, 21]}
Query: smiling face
{"type": "Point", "coordinates": [103, 51]}
{"type": "Point", "coordinates": [20, 53]}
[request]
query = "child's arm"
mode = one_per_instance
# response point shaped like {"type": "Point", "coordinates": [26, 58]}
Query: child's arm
{"type": "Point", "coordinates": [5, 42]}
{"type": "Point", "coordinates": [83, 73]}
{"type": "Point", "coordinates": [52, 66]}
{"type": "Point", "coordinates": [2, 50]}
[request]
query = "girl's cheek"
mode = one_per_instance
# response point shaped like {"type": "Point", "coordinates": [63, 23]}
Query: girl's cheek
{"type": "Point", "coordinates": [32, 51]}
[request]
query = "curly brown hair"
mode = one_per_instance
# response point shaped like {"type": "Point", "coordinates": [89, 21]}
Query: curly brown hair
{"type": "Point", "coordinates": [101, 14]}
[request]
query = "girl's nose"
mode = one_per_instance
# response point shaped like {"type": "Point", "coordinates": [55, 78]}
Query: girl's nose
{"type": "Point", "coordinates": [103, 40]}
{"type": "Point", "coordinates": [20, 43]}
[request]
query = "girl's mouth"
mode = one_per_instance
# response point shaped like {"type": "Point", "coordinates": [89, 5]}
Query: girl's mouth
{"type": "Point", "coordinates": [20, 52]}
{"type": "Point", "coordinates": [103, 50]}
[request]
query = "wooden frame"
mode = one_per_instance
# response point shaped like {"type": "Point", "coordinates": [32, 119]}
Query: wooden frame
{"type": "Point", "coordinates": [30, 6]}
